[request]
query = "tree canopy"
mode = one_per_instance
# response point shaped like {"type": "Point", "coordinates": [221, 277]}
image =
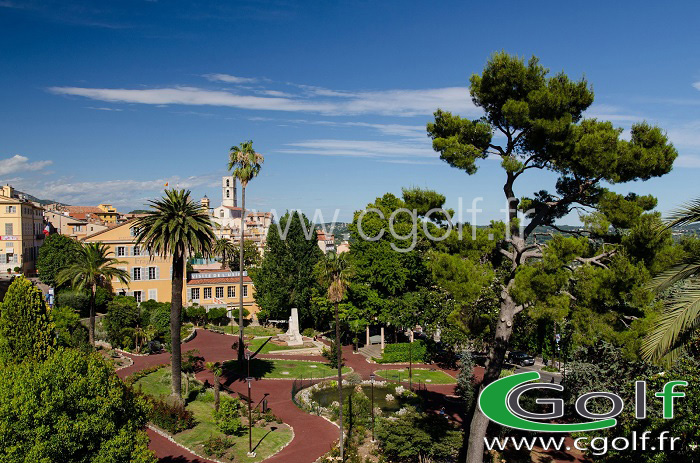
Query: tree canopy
{"type": "Point", "coordinates": [56, 253]}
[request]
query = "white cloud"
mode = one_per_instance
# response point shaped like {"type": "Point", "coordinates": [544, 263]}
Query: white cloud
{"type": "Point", "coordinates": [396, 150]}
{"type": "Point", "coordinates": [19, 163]}
{"type": "Point", "coordinates": [697, 85]}
{"type": "Point", "coordinates": [229, 79]}
{"type": "Point", "coordinates": [686, 135]}
{"type": "Point", "coordinates": [408, 102]}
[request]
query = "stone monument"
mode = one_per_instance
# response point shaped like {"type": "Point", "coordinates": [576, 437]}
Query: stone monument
{"type": "Point", "coordinates": [292, 336]}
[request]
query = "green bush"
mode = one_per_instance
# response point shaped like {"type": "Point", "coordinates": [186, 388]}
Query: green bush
{"type": "Point", "coordinates": [173, 417]}
{"type": "Point", "coordinates": [196, 314]}
{"type": "Point", "coordinates": [217, 316]}
{"type": "Point", "coordinates": [121, 319]}
{"type": "Point", "coordinates": [309, 332]}
{"type": "Point", "coordinates": [228, 418]}
{"type": "Point", "coordinates": [76, 300]}
{"type": "Point", "coordinates": [217, 446]}
{"type": "Point", "coordinates": [399, 353]}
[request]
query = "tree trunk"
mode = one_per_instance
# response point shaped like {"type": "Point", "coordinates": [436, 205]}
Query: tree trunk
{"type": "Point", "coordinates": [91, 327]}
{"type": "Point", "coordinates": [241, 343]}
{"type": "Point", "coordinates": [217, 386]}
{"type": "Point", "coordinates": [494, 364]}
{"type": "Point", "coordinates": [339, 353]}
{"type": "Point", "coordinates": [175, 314]}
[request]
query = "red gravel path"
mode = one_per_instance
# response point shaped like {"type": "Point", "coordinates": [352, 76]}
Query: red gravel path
{"type": "Point", "coordinates": [313, 435]}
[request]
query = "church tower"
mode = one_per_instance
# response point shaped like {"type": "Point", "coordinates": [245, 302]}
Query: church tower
{"type": "Point", "coordinates": [228, 191]}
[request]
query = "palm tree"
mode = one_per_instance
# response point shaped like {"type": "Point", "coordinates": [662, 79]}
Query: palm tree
{"type": "Point", "coordinates": [334, 273]}
{"type": "Point", "coordinates": [217, 370]}
{"type": "Point", "coordinates": [225, 249]}
{"type": "Point", "coordinates": [681, 317]}
{"type": "Point", "coordinates": [175, 228]}
{"type": "Point", "coordinates": [245, 165]}
{"type": "Point", "coordinates": [92, 268]}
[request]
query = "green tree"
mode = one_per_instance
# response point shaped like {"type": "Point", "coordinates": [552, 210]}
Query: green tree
{"type": "Point", "coordinates": [55, 254]}
{"type": "Point", "coordinates": [334, 273]}
{"type": "Point", "coordinates": [93, 268]}
{"type": "Point", "coordinates": [681, 318]}
{"type": "Point", "coordinates": [251, 255]}
{"type": "Point", "coordinates": [69, 331]}
{"type": "Point", "coordinates": [418, 437]}
{"type": "Point", "coordinates": [245, 164]}
{"type": "Point", "coordinates": [225, 249]}
{"type": "Point", "coordinates": [26, 330]}
{"type": "Point", "coordinates": [121, 319]}
{"type": "Point", "coordinates": [175, 227]}
{"type": "Point", "coordinates": [70, 408]}
{"type": "Point", "coordinates": [217, 370]}
{"type": "Point", "coordinates": [540, 120]}
{"type": "Point", "coordinates": [286, 278]}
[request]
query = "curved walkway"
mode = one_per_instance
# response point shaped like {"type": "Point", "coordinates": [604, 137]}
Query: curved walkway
{"type": "Point", "coordinates": [313, 435]}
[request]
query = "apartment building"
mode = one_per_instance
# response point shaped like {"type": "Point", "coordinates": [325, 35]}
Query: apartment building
{"type": "Point", "coordinates": [105, 213]}
{"type": "Point", "coordinates": [22, 226]}
{"type": "Point", "coordinates": [150, 275]}
{"type": "Point", "coordinates": [64, 224]}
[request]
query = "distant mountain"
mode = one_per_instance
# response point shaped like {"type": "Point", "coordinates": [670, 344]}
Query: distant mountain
{"type": "Point", "coordinates": [43, 202]}
{"type": "Point", "coordinates": [139, 211]}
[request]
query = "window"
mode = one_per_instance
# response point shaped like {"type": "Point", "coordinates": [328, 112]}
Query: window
{"type": "Point", "coordinates": [9, 244]}
{"type": "Point", "coordinates": [231, 291]}
{"type": "Point", "coordinates": [245, 290]}
{"type": "Point", "coordinates": [137, 296]}
{"type": "Point", "coordinates": [78, 228]}
{"type": "Point", "coordinates": [221, 213]}
{"type": "Point", "coordinates": [227, 184]}
{"type": "Point", "coordinates": [195, 294]}
{"type": "Point", "coordinates": [137, 273]}
{"type": "Point", "coordinates": [219, 292]}
{"type": "Point", "coordinates": [11, 209]}
{"type": "Point", "coordinates": [137, 251]}
{"type": "Point", "coordinates": [153, 294]}
{"type": "Point", "coordinates": [228, 193]}
{"type": "Point", "coordinates": [207, 293]}
{"type": "Point", "coordinates": [8, 229]}
{"type": "Point", "coordinates": [152, 273]}
{"type": "Point", "coordinates": [134, 231]}
{"type": "Point", "coordinates": [121, 251]}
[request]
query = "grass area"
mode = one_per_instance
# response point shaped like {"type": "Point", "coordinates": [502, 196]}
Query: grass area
{"type": "Point", "coordinates": [422, 375]}
{"type": "Point", "coordinates": [254, 345]}
{"type": "Point", "coordinates": [186, 329]}
{"type": "Point", "coordinates": [268, 439]}
{"type": "Point", "coordinates": [281, 369]}
{"type": "Point", "coordinates": [262, 331]}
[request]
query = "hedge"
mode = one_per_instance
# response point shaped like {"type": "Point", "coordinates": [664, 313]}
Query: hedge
{"type": "Point", "coordinates": [399, 353]}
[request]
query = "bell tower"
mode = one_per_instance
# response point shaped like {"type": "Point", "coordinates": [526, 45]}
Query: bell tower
{"type": "Point", "coordinates": [228, 191]}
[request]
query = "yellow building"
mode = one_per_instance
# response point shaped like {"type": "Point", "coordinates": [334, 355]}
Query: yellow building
{"type": "Point", "coordinates": [77, 229]}
{"type": "Point", "coordinates": [219, 288]}
{"type": "Point", "coordinates": [22, 226]}
{"type": "Point", "coordinates": [150, 275]}
{"type": "Point", "coordinates": [104, 212]}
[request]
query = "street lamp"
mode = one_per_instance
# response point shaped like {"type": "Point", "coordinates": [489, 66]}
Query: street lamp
{"type": "Point", "coordinates": [410, 362]}
{"type": "Point", "coordinates": [251, 454]}
{"type": "Point", "coordinates": [371, 378]}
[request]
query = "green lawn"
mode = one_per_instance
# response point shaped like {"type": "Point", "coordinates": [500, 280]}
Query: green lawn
{"type": "Point", "coordinates": [422, 375]}
{"type": "Point", "coordinates": [254, 344]}
{"type": "Point", "coordinates": [261, 331]}
{"type": "Point", "coordinates": [273, 368]}
{"type": "Point", "coordinates": [269, 439]}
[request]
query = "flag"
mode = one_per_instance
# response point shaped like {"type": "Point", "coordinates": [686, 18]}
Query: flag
{"type": "Point", "coordinates": [47, 230]}
{"type": "Point", "coordinates": [166, 183]}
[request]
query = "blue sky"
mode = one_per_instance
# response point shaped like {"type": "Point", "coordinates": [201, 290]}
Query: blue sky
{"type": "Point", "coordinates": [105, 101]}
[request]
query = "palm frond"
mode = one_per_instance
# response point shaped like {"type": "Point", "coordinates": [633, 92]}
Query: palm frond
{"type": "Point", "coordinates": [687, 213]}
{"type": "Point", "coordinates": [681, 316]}
{"type": "Point", "coordinates": [679, 272]}
{"type": "Point", "coordinates": [244, 162]}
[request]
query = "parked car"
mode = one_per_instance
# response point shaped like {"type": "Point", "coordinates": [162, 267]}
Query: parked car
{"type": "Point", "coordinates": [521, 358]}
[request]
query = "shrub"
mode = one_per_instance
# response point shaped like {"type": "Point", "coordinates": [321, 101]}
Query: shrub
{"type": "Point", "coordinates": [228, 418]}
{"type": "Point", "coordinates": [309, 332]}
{"type": "Point", "coordinates": [173, 417]}
{"type": "Point", "coordinates": [353, 378]}
{"type": "Point", "coordinates": [399, 353]}
{"type": "Point", "coordinates": [196, 314]}
{"type": "Point", "coordinates": [17, 269]}
{"type": "Point", "coordinates": [122, 316]}
{"type": "Point", "coordinates": [217, 446]}
{"type": "Point", "coordinates": [331, 355]}
{"type": "Point", "coordinates": [217, 316]}
{"type": "Point", "coordinates": [76, 300]}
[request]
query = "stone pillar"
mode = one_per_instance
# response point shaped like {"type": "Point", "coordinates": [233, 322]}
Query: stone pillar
{"type": "Point", "coordinates": [382, 335]}
{"type": "Point", "coordinates": [367, 343]}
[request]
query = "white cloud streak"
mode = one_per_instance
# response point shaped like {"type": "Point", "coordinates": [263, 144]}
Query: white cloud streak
{"type": "Point", "coordinates": [229, 79]}
{"type": "Point", "coordinates": [396, 150]}
{"type": "Point", "coordinates": [409, 102]}
{"type": "Point", "coordinates": [19, 163]}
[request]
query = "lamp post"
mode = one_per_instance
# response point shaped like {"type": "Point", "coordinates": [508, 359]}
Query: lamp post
{"type": "Point", "coordinates": [251, 454]}
{"type": "Point", "coordinates": [371, 378]}
{"type": "Point", "coordinates": [410, 362]}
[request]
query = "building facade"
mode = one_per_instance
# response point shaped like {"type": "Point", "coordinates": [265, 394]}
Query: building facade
{"type": "Point", "coordinates": [219, 288]}
{"type": "Point", "coordinates": [78, 229]}
{"type": "Point", "coordinates": [22, 228]}
{"type": "Point", "coordinates": [150, 275]}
